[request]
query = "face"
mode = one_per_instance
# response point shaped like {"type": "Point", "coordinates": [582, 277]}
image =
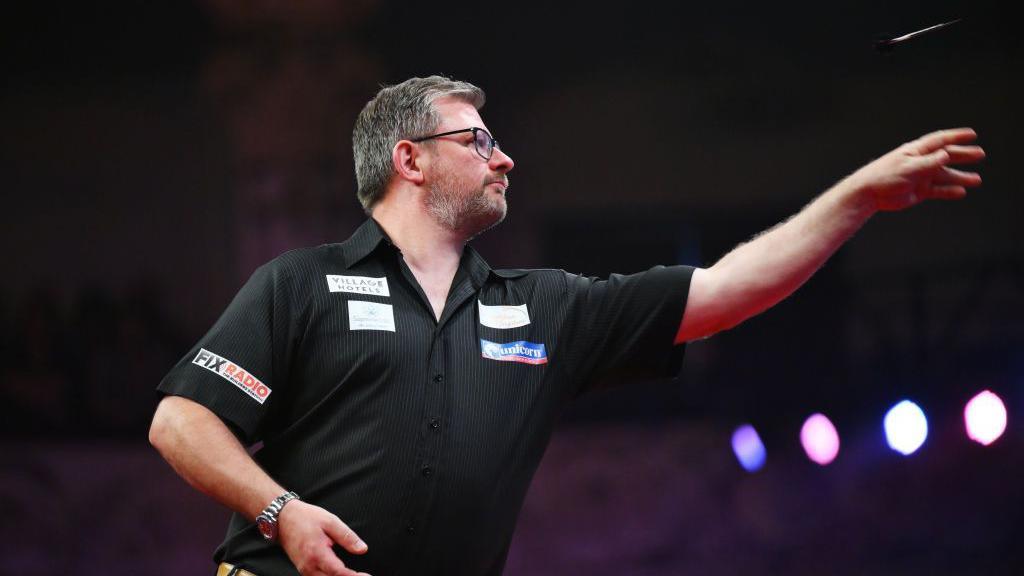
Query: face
{"type": "Point", "coordinates": [465, 193]}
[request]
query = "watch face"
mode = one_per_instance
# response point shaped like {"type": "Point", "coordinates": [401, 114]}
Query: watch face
{"type": "Point", "coordinates": [267, 528]}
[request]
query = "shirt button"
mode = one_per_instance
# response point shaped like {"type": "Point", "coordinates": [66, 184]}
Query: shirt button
{"type": "Point", "coordinates": [438, 378]}
{"type": "Point", "coordinates": [435, 423]}
{"type": "Point", "coordinates": [427, 471]}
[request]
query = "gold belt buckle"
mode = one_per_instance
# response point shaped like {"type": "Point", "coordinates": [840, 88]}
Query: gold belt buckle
{"type": "Point", "coordinates": [226, 569]}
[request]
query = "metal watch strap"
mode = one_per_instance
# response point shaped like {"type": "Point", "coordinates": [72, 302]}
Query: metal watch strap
{"type": "Point", "coordinates": [266, 522]}
{"type": "Point", "coordinates": [275, 506]}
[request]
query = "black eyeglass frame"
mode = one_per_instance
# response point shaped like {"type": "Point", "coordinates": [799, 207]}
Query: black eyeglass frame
{"type": "Point", "coordinates": [474, 130]}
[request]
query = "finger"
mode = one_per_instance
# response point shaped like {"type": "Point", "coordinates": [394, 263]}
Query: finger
{"type": "Point", "coordinates": [964, 154]}
{"type": "Point", "coordinates": [331, 565]}
{"type": "Point", "coordinates": [931, 142]}
{"type": "Point", "coordinates": [957, 177]}
{"type": "Point", "coordinates": [929, 162]}
{"type": "Point", "coordinates": [338, 572]}
{"type": "Point", "coordinates": [345, 537]}
{"type": "Point", "coordinates": [947, 192]}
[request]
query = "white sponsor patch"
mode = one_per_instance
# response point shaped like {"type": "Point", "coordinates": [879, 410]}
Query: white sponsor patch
{"type": "Point", "coordinates": [370, 316]}
{"type": "Point", "coordinates": [233, 373]}
{"type": "Point", "coordinates": [503, 316]}
{"type": "Point", "coordinates": [358, 285]}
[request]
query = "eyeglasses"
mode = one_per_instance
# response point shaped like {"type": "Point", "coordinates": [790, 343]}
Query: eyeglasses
{"type": "Point", "coordinates": [483, 141]}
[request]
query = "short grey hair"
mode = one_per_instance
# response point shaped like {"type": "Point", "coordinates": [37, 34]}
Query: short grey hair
{"type": "Point", "coordinates": [400, 112]}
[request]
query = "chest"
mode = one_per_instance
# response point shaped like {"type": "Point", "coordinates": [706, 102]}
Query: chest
{"type": "Point", "coordinates": [459, 348]}
{"type": "Point", "coordinates": [436, 288]}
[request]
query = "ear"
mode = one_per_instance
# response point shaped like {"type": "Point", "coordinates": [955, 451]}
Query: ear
{"type": "Point", "coordinates": [406, 160]}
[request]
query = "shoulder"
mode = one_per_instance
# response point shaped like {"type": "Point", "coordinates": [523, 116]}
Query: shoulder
{"type": "Point", "coordinates": [528, 282]}
{"type": "Point", "coordinates": [527, 273]}
{"type": "Point", "coordinates": [302, 261]}
{"type": "Point", "coordinates": [531, 275]}
{"type": "Point", "coordinates": [295, 268]}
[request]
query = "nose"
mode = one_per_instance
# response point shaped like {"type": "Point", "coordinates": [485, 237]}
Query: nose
{"type": "Point", "coordinates": [501, 162]}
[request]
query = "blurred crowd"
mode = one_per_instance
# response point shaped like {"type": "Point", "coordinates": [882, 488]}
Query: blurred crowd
{"type": "Point", "coordinates": [84, 365]}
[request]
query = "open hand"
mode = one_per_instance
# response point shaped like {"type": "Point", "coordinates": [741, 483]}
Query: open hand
{"type": "Point", "coordinates": [919, 170]}
{"type": "Point", "coordinates": [308, 533]}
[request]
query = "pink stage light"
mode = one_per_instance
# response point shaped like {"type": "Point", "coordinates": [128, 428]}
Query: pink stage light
{"type": "Point", "coordinates": [985, 417]}
{"type": "Point", "coordinates": [820, 439]}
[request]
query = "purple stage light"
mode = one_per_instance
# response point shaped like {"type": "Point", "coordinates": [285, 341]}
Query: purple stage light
{"type": "Point", "coordinates": [749, 450]}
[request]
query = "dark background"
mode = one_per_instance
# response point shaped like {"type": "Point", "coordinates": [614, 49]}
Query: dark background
{"type": "Point", "coordinates": [153, 154]}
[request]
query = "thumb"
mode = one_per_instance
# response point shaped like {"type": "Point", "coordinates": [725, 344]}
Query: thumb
{"type": "Point", "coordinates": [345, 537]}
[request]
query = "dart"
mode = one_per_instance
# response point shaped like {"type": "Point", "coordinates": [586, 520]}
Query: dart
{"type": "Point", "coordinates": [884, 45]}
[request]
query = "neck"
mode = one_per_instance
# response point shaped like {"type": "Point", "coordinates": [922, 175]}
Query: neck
{"type": "Point", "coordinates": [424, 243]}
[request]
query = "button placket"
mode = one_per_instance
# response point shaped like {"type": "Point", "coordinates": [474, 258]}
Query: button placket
{"type": "Point", "coordinates": [434, 402]}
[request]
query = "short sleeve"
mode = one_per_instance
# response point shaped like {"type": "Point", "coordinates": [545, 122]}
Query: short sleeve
{"type": "Point", "coordinates": [239, 368]}
{"type": "Point", "coordinates": [623, 329]}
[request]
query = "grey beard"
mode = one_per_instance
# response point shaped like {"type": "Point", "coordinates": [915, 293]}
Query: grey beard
{"type": "Point", "coordinates": [466, 216]}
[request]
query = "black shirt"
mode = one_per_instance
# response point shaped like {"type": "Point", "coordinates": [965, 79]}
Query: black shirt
{"type": "Point", "coordinates": [421, 435]}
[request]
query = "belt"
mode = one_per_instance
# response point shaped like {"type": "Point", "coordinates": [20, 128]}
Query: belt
{"type": "Point", "coordinates": [226, 569]}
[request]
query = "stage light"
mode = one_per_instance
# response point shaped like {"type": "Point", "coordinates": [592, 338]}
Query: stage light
{"type": "Point", "coordinates": [905, 427]}
{"type": "Point", "coordinates": [749, 450]}
{"type": "Point", "coordinates": [820, 439]}
{"type": "Point", "coordinates": [985, 417]}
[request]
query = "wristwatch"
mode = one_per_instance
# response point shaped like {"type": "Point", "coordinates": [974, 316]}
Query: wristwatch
{"type": "Point", "coordinates": [267, 520]}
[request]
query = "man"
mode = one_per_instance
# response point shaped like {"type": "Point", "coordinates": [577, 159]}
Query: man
{"type": "Point", "coordinates": [404, 391]}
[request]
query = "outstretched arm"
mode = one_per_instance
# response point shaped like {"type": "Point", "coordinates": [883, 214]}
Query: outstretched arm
{"type": "Point", "coordinates": [760, 273]}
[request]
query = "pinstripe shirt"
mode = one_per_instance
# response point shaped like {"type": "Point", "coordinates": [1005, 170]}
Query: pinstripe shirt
{"type": "Point", "coordinates": [421, 434]}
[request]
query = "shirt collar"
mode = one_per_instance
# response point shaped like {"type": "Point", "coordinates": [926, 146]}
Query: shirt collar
{"type": "Point", "coordinates": [365, 240]}
{"type": "Point", "coordinates": [370, 236]}
{"type": "Point", "coordinates": [475, 266]}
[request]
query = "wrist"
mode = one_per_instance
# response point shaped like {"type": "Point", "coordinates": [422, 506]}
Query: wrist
{"type": "Point", "coordinates": [855, 198]}
{"type": "Point", "coordinates": [267, 520]}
